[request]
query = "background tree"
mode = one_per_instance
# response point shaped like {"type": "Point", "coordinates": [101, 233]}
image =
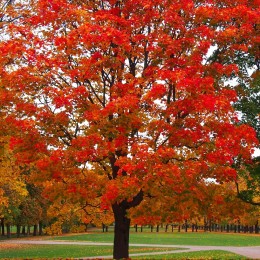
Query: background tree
{"type": "Point", "coordinates": [115, 98]}
{"type": "Point", "coordinates": [12, 186]}
{"type": "Point", "coordinates": [247, 84]}
{"type": "Point", "coordinates": [249, 104]}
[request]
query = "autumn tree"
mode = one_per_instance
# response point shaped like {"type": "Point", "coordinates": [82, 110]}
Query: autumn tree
{"type": "Point", "coordinates": [246, 83]}
{"type": "Point", "coordinates": [70, 206]}
{"type": "Point", "coordinates": [248, 103]}
{"type": "Point", "coordinates": [12, 186]}
{"type": "Point", "coordinates": [206, 204]}
{"type": "Point", "coordinates": [118, 98]}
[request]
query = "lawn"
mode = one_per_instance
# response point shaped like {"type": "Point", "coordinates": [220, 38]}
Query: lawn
{"type": "Point", "coordinates": [63, 251]}
{"type": "Point", "coordinates": [189, 238]}
{"type": "Point", "coordinates": [71, 251]}
{"type": "Point", "coordinates": [51, 251]}
{"type": "Point", "coordinates": [202, 255]}
{"type": "Point", "coordinates": [77, 251]}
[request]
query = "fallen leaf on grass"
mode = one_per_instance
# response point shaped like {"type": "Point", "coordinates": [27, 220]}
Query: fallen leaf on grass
{"type": "Point", "coordinates": [6, 246]}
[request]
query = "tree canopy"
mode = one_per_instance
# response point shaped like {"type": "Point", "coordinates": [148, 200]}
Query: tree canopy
{"type": "Point", "coordinates": [123, 101]}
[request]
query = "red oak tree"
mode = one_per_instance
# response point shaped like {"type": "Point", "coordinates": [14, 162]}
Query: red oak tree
{"type": "Point", "coordinates": [120, 99]}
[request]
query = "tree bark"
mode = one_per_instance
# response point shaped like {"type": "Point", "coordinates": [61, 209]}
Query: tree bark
{"type": "Point", "coordinates": [86, 227]}
{"type": "Point", "coordinates": [18, 230]}
{"type": "Point", "coordinates": [186, 225]}
{"type": "Point", "coordinates": [3, 226]}
{"type": "Point", "coordinates": [121, 233]}
{"type": "Point", "coordinates": [28, 230]}
{"type": "Point", "coordinates": [166, 227]}
{"type": "Point", "coordinates": [257, 227]}
{"type": "Point", "coordinates": [40, 228]}
{"type": "Point", "coordinates": [24, 231]}
{"type": "Point", "coordinates": [35, 229]}
{"type": "Point", "coordinates": [227, 228]}
{"type": "Point", "coordinates": [8, 230]}
{"type": "Point", "coordinates": [122, 226]}
{"type": "Point", "coordinates": [157, 228]}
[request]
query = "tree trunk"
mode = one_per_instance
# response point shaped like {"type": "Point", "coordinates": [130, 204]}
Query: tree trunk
{"type": "Point", "coordinates": [157, 228]}
{"type": "Point", "coordinates": [227, 228]}
{"type": "Point", "coordinates": [121, 236]}
{"type": "Point", "coordinates": [122, 225]}
{"type": "Point", "coordinates": [205, 225]}
{"type": "Point", "coordinates": [8, 230]}
{"type": "Point", "coordinates": [86, 227]}
{"type": "Point", "coordinates": [251, 229]}
{"type": "Point", "coordinates": [24, 231]}
{"type": "Point", "coordinates": [18, 230]}
{"type": "Point", "coordinates": [28, 231]}
{"type": "Point", "coordinates": [246, 229]}
{"type": "Point", "coordinates": [256, 227]}
{"type": "Point", "coordinates": [186, 225]}
{"type": "Point", "coordinates": [35, 228]}
{"type": "Point", "coordinates": [40, 228]}
{"type": "Point", "coordinates": [3, 226]}
{"type": "Point", "coordinates": [166, 227]}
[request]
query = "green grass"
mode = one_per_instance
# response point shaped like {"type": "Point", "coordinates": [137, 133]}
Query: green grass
{"type": "Point", "coordinates": [70, 251]}
{"type": "Point", "coordinates": [213, 254]}
{"type": "Point", "coordinates": [64, 251]}
{"type": "Point", "coordinates": [200, 238]}
{"type": "Point", "coordinates": [51, 251]}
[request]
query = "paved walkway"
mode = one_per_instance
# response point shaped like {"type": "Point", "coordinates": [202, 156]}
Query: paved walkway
{"type": "Point", "coordinates": [252, 252]}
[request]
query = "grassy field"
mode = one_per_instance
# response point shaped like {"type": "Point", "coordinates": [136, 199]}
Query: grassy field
{"type": "Point", "coordinates": [63, 251]}
{"type": "Point", "coordinates": [200, 238]}
{"type": "Point", "coordinates": [202, 255]}
{"type": "Point", "coordinates": [72, 251]}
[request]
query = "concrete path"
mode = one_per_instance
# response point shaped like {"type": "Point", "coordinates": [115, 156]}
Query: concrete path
{"type": "Point", "coordinates": [251, 252]}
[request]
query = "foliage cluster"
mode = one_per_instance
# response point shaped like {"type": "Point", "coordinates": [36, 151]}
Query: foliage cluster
{"type": "Point", "coordinates": [120, 110]}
